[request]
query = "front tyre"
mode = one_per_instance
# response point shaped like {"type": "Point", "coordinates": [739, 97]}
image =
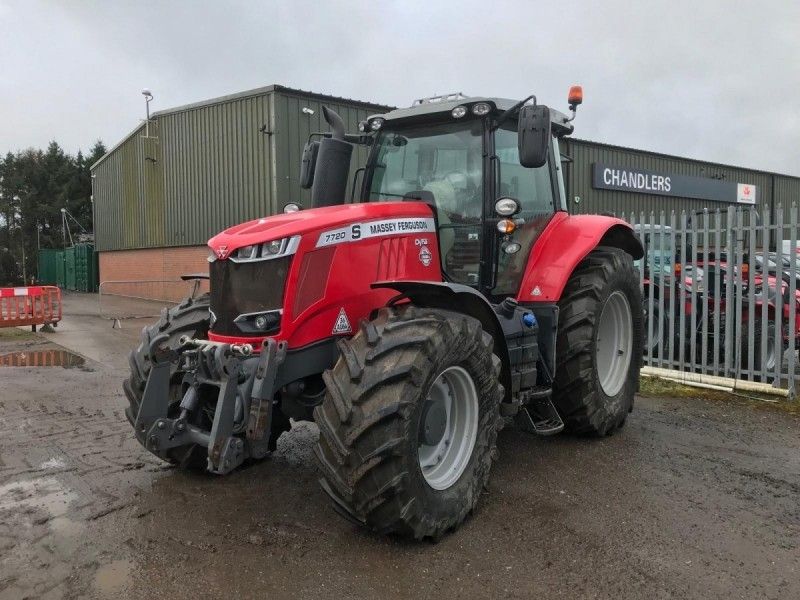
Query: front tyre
{"type": "Point", "coordinates": [409, 421]}
{"type": "Point", "coordinates": [190, 317]}
{"type": "Point", "coordinates": [599, 343]}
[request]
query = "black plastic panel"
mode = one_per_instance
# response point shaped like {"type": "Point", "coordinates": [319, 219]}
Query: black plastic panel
{"type": "Point", "coordinates": [246, 287]}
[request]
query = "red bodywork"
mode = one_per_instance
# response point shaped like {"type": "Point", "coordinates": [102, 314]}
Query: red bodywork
{"type": "Point", "coordinates": [324, 280]}
{"type": "Point", "coordinates": [565, 242]}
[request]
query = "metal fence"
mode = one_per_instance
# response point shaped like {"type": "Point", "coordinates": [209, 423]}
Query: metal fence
{"type": "Point", "coordinates": [721, 293]}
{"type": "Point", "coordinates": [119, 300]}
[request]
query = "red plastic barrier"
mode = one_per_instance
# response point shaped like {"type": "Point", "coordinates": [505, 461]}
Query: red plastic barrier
{"type": "Point", "coordinates": [32, 305]}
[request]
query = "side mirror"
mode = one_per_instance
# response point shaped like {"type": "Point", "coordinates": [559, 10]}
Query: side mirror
{"type": "Point", "coordinates": [308, 164]}
{"type": "Point", "coordinates": [533, 135]}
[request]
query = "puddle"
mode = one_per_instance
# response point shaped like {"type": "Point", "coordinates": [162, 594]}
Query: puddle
{"type": "Point", "coordinates": [46, 494]}
{"type": "Point", "coordinates": [113, 578]}
{"type": "Point", "coordinates": [41, 358]}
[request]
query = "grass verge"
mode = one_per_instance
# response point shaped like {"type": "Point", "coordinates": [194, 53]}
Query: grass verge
{"type": "Point", "coordinates": [655, 387]}
{"type": "Point", "coordinates": [15, 333]}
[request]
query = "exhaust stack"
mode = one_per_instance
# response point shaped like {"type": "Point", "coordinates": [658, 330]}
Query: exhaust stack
{"type": "Point", "coordinates": [333, 164]}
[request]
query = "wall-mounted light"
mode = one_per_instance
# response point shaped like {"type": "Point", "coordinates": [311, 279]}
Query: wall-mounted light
{"type": "Point", "coordinates": [148, 98]}
{"type": "Point", "coordinates": [307, 111]}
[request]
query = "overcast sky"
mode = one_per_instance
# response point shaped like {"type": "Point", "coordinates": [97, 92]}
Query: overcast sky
{"type": "Point", "coordinates": [717, 80]}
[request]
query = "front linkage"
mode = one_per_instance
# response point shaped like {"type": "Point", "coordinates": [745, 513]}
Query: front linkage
{"type": "Point", "coordinates": [246, 387]}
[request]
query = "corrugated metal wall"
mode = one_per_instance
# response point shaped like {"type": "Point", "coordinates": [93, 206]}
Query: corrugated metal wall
{"type": "Point", "coordinates": [212, 165]}
{"type": "Point", "coordinates": [218, 167]}
{"type": "Point", "coordinates": [293, 127]}
{"type": "Point", "coordinates": [128, 192]}
{"type": "Point", "coordinates": [787, 192]}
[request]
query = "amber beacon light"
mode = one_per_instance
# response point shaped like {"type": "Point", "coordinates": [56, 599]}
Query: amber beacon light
{"type": "Point", "coordinates": [575, 96]}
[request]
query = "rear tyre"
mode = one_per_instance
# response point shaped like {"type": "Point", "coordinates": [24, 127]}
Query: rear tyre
{"type": "Point", "coordinates": [599, 343]}
{"type": "Point", "coordinates": [409, 421]}
{"type": "Point", "coordinates": [191, 318]}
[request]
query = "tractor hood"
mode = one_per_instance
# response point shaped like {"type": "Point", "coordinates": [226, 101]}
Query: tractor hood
{"type": "Point", "coordinates": [311, 221]}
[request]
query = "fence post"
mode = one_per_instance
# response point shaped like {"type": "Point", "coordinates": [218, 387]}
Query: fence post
{"type": "Point", "coordinates": [681, 283]}
{"type": "Point", "coordinates": [704, 295]}
{"type": "Point", "coordinates": [794, 306]}
{"type": "Point", "coordinates": [763, 334]}
{"type": "Point", "coordinates": [780, 238]}
{"type": "Point", "coordinates": [717, 289]}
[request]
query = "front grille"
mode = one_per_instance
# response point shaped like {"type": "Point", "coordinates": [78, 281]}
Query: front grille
{"type": "Point", "coordinates": [245, 288]}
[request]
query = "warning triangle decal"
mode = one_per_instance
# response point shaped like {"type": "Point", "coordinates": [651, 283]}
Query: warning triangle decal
{"type": "Point", "coordinates": [342, 324]}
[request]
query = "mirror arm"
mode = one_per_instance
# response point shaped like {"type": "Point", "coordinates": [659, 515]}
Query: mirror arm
{"type": "Point", "coordinates": [511, 111]}
{"type": "Point", "coordinates": [354, 138]}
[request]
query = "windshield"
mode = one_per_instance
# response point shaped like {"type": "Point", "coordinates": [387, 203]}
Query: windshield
{"type": "Point", "coordinates": [443, 165]}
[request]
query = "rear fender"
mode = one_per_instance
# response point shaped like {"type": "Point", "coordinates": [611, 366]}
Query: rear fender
{"type": "Point", "coordinates": [458, 298]}
{"type": "Point", "coordinates": [564, 243]}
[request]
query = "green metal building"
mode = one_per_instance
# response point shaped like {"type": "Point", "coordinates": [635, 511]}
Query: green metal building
{"type": "Point", "coordinates": [199, 168]}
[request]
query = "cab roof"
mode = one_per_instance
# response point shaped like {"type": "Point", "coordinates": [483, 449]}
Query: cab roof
{"type": "Point", "coordinates": [442, 106]}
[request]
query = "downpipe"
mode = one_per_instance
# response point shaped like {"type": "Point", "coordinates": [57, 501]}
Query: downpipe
{"type": "Point", "coordinates": [243, 413]}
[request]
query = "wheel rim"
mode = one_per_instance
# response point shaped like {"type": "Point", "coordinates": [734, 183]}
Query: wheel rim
{"type": "Point", "coordinates": [771, 358]}
{"type": "Point", "coordinates": [448, 428]}
{"type": "Point", "coordinates": [655, 340]}
{"type": "Point", "coordinates": [614, 343]}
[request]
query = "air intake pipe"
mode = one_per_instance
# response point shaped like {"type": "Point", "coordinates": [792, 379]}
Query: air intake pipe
{"type": "Point", "coordinates": [333, 164]}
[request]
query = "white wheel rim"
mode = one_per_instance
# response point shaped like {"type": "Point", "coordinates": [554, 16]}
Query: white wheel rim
{"type": "Point", "coordinates": [442, 463]}
{"type": "Point", "coordinates": [614, 343]}
{"type": "Point", "coordinates": [771, 358]}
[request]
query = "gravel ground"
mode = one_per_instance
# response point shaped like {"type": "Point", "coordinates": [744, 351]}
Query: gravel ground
{"type": "Point", "coordinates": [695, 498]}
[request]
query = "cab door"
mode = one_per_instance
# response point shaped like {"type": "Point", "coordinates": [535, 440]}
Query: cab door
{"type": "Point", "coordinates": [536, 190]}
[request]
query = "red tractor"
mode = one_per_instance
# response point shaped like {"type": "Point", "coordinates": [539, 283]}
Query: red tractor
{"type": "Point", "coordinates": [457, 293]}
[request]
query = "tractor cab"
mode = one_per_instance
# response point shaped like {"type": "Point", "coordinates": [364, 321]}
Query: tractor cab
{"type": "Point", "coordinates": [489, 168]}
{"type": "Point", "coordinates": [462, 156]}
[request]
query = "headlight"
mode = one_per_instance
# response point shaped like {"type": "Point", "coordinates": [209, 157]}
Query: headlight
{"type": "Point", "coordinates": [291, 207]}
{"type": "Point", "coordinates": [267, 250]}
{"type": "Point", "coordinates": [458, 112]}
{"type": "Point", "coordinates": [505, 207]}
{"type": "Point", "coordinates": [481, 108]}
{"type": "Point", "coordinates": [259, 322]}
{"type": "Point", "coordinates": [246, 252]}
{"type": "Point", "coordinates": [271, 248]}
{"type": "Point", "coordinates": [376, 123]}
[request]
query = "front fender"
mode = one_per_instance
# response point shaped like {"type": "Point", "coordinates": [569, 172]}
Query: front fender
{"type": "Point", "coordinates": [458, 298]}
{"type": "Point", "coordinates": [563, 244]}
